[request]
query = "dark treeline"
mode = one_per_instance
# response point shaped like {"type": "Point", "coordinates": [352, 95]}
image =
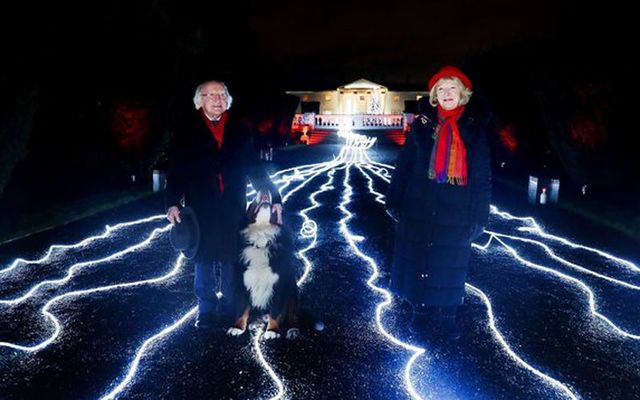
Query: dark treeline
{"type": "Point", "coordinates": [88, 101]}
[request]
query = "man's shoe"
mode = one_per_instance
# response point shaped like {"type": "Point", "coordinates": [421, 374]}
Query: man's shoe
{"type": "Point", "coordinates": [206, 322]}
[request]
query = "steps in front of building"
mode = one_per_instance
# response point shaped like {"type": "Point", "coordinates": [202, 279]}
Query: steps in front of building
{"type": "Point", "coordinates": [384, 136]}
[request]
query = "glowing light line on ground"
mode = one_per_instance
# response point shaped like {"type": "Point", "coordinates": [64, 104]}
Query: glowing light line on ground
{"type": "Point", "coordinates": [536, 229]}
{"type": "Point", "coordinates": [355, 144]}
{"type": "Point", "coordinates": [379, 164]}
{"type": "Point", "coordinates": [309, 229]}
{"type": "Point", "coordinates": [146, 345]}
{"type": "Point", "coordinates": [265, 365]}
{"type": "Point", "coordinates": [327, 167]}
{"type": "Point", "coordinates": [388, 299]}
{"type": "Point", "coordinates": [298, 167]}
{"type": "Point", "coordinates": [127, 380]}
{"type": "Point", "coordinates": [565, 262]}
{"type": "Point", "coordinates": [323, 167]}
{"type": "Point", "coordinates": [76, 267]}
{"type": "Point", "coordinates": [496, 333]}
{"type": "Point", "coordinates": [350, 153]}
{"type": "Point", "coordinates": [311, 226]}
{"type": "Point", "coordinates": [381, 170]}
{"type": "Point", "coordinates": [628, 264]}
{"type": "Point", "coordinates": [378, 172]}
{"type": "Point", "coordinates": [531, 221]}
{"type": "Point", "coordinates": [577, 282]}
{"type": "Point", "coordinates": [78, 293]}
{"type": "Point", "coordinates": [379, 196]}
{"type": "Point", "coordinates": [303, 176]}
{"type": "Point", "coordinates": [107, 232]}
{"type": "Point", "coordinates": [355, 140]}
{"type": "Point", "coordinates": [504, 215]}
{"type": "Point", "coordinates": [485, 246]}
{"type": "Point", "coordinates": [498, 336]}
{"type": "Point", "coordinates": [309, 232]}
{"type": "Point", "coordinates": [297, 175]}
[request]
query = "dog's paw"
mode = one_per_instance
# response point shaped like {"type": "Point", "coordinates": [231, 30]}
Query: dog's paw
{"type": "Point", "coordinates": [235, 332]}
{"type": "Point", "coordinates": [293, 333]}
{"type": "Point", "coordinates": [271, 335]}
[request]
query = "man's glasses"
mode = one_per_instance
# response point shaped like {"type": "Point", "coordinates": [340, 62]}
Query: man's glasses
{"type": "Point", "coordinates": [212, 95]}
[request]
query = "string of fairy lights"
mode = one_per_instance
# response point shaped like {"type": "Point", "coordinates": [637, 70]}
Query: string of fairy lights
{"type": "Point", "coordinates": [352, 158]}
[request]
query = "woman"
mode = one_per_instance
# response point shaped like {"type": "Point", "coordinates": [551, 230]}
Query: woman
{"type": "Point", "coordinates": [439, 194]}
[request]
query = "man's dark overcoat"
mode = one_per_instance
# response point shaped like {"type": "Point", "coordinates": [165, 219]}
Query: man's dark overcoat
{"type": "Point", "coordinates": [213, 181]}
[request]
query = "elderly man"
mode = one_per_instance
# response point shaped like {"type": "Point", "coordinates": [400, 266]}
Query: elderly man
{"type": "Point", "coordinates": [211, 161]}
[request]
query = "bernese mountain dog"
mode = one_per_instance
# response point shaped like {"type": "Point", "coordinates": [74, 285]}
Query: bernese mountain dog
{"type": "Point", "coordinates": [269, 270]}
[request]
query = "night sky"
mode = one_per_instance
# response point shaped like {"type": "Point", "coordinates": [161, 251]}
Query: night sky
{"type": "Point", "coordinates": [293, 45]}
{"type": "Point", "coordinates": [70, 72]}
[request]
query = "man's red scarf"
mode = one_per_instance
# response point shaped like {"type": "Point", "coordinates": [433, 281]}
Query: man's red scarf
{"type": "Point", "coordinates": [217, 130]}
{"type": "Point", "coordinates": [449, 156]}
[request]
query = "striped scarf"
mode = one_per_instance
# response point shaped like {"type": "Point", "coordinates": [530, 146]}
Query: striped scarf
{"type": "Point", "coordinates": [448, 156]}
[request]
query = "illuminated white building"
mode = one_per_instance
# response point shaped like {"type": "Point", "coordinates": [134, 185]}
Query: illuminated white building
{"type": "Point", "coordinates": [359, 105]}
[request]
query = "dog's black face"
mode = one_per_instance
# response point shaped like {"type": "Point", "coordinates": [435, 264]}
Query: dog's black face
{"type": "Point", "coordinates": [260, 210]}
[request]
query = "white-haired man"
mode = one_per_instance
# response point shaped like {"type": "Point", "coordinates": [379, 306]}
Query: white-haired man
{"type": "Point", "coordinates": [211, 161]}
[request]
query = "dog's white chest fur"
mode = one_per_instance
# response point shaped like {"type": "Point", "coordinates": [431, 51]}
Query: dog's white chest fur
{"type": "Point", "coordinates": [259, 278]}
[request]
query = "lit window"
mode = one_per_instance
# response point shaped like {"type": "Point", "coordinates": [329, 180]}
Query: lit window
{"type": "Point", "coordinates": [396, 98]}
{"type": "Point", "coordinates": [327, 97]}
{"type": "Point", "coordinates": [305, 97]}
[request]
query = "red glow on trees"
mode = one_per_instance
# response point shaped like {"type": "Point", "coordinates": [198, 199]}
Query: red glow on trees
{"type": "Point", "coordinates": [131, 124]}
{"type": "Point", "coordinates": [508, 138]}
{"type": "Point", "coordinates": [397, 136]}
{"type": "Point", "coordinates": [283, 128]}
{"type": "Point", "coordinates": [318, 137]}
{"type": "Point", "coordinates": [589, 123]}
{"type": "Point", "coordinates": [265, 126]}
{"type": "Point", "coordinates": [588, 132]}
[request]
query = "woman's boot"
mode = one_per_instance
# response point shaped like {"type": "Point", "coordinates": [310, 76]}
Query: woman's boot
{"type": "Point", "coordinates": [425, 319]}
{"type": "Point", "coordinates": [449, 327]}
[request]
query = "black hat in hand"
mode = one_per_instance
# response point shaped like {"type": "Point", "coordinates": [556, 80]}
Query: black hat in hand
{"type": "Point", "coordinates": [185, 236]}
